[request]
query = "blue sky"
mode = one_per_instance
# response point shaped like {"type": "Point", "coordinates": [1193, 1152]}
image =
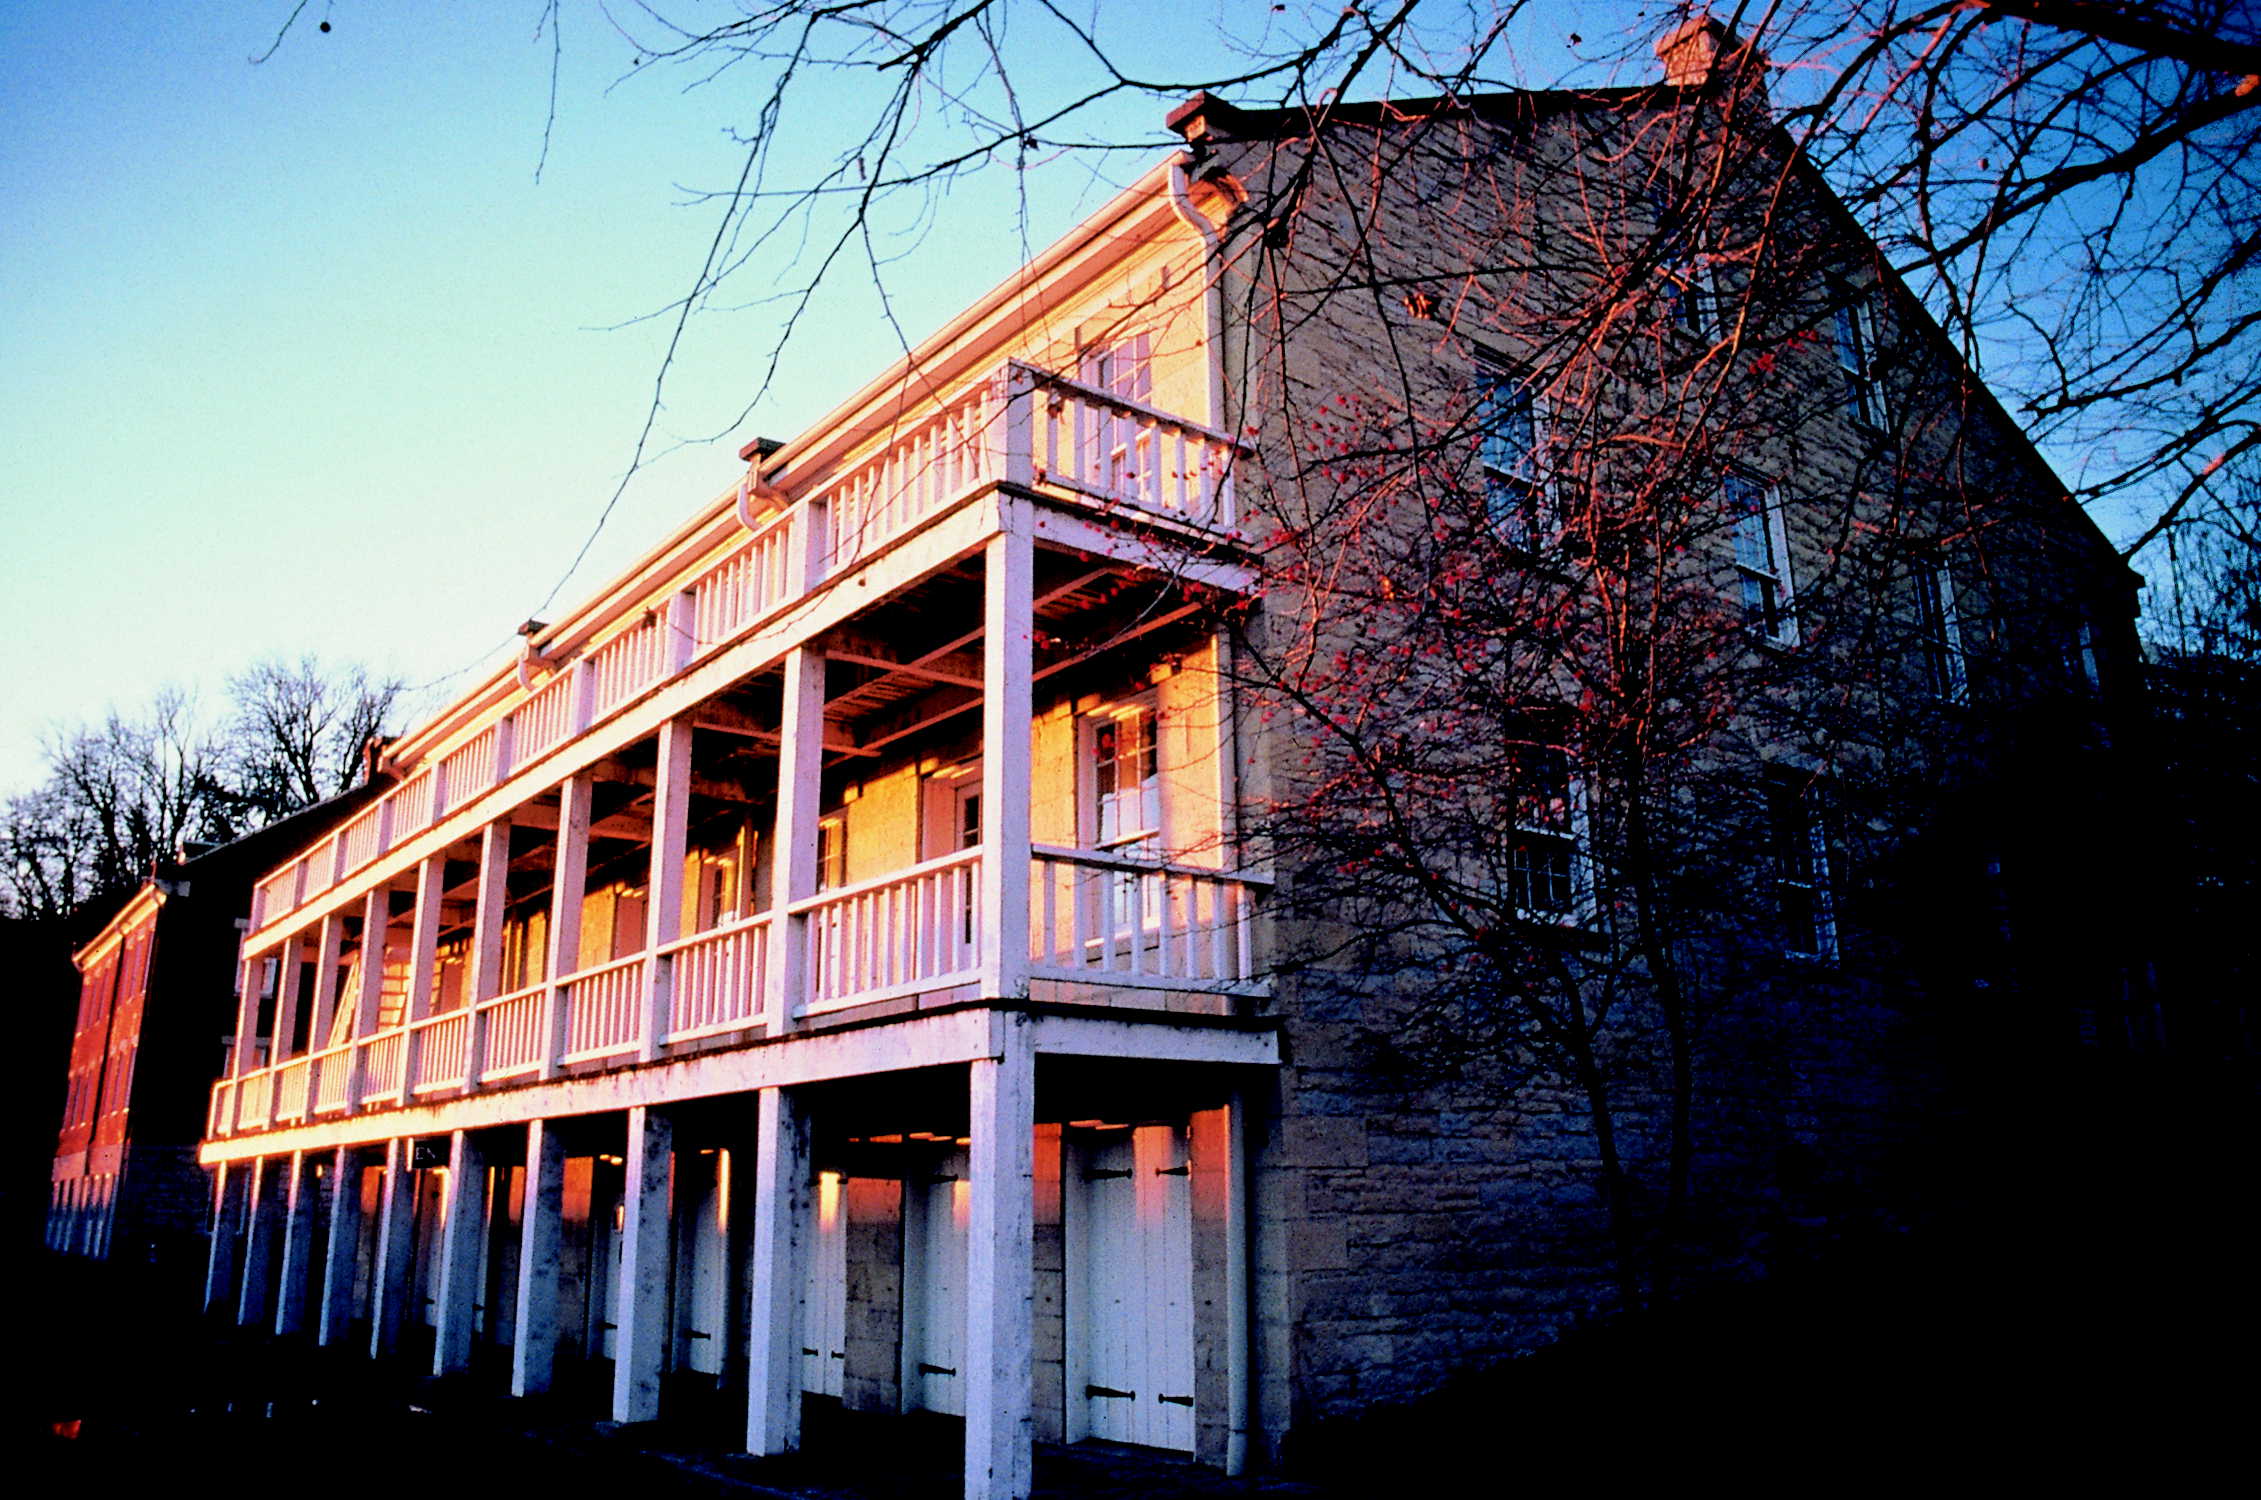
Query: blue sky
{"type": "Point", "coordinates": [303, 357]}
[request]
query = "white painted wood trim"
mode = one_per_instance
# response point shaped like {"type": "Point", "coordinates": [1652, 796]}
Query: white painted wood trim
{"type": "Point", "coordinates": [1000, 1279]}
{"type": "Point", "coordinates": [775, 1251]}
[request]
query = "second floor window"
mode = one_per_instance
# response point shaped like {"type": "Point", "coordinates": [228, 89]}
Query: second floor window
{"type": "Point", "coordinates": [1507, 422]}
{"type": "Point", "coordinates": [1121, 751]}
{"type": "Point", "coordinates": [1939, 632]}
{"type": "Point", "coordinates": [1855, 338]}
{"type": "Point", "coordinates": [1762, 557]}
{"type": "Point", "coordinates": [831, 851]}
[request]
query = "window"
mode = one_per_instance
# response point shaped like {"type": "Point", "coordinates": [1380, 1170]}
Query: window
{"type": "Point", "coordinates": [1762, 557]}
{"type": "Point", "coordinates": [1939, 631]}
{"type": "Point", "coordinates": [1855, 330]}
{"type": "Point", "coordinates": [1508, 443]}
{"type": "Point", "coordinates": [1684, 274]}
{"type": "Point", "coordinates": [1121, 792]}
{"type": "Point", "coordinates": [1546, 870]}
{"type": "Point", "coordinates": [831, 851]}
{"type": "Point", "coordinates": [1121, 447]}
{"type": "Point", "coordinates": [1800, 849]}
{"type": "Point", "coordinates": [1124, 804]}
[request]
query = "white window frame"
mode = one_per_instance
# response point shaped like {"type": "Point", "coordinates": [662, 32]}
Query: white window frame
{"type": "Point", "coordinates": [1517, 499]}
{"type": "Point", "coordinates": [1688, 283]}
{"type": "Point", "coordinates": [832, 850]}
{"type": "Point", "coordinates": [942, 817]}
{"type": "Point", "coordinates": [1134, 899]}
{"type": "Point", "coordinates": [1939, 631]}
{"type": "Point", "coordinates": [1812, 884]}
{"type": "Point", "coordinates": [1580, 909]}
{"type": "Point", "coordinates": [1768, 595]}
{"type": "Point", "coordinates": [1853, 335]}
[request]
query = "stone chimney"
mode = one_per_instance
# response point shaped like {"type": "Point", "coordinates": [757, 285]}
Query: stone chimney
{"type": "Point", "coordinates": [1701, 52]}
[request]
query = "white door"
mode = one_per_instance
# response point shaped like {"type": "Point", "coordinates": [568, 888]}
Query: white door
{"type": "Point", "coordinates": [702, 1185]}
{"type": "Point", "coordinates": [824, 1300]}
{"type": "Point", "coordinates": [934, 1279]}
{"type": "Point", "coordinates": [1130, 1327]}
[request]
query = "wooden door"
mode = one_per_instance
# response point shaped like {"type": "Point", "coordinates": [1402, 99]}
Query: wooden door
{"type": "Point", "coordinates": [824, 1298]}
{"type": "Point", "coordinates": [936, 1207]}
{"type": "Point", "coordinates": [1130, 1272]}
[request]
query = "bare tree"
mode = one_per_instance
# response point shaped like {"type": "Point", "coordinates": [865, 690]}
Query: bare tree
{"type": "Point", "coordinates": [299, 731]}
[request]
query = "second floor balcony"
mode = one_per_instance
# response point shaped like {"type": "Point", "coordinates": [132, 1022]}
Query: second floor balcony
{"type": "Point", "coordinates": [943, 727]}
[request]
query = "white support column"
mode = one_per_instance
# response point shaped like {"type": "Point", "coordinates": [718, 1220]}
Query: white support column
{"type": "Point", "coordinates": [391, 1287]}
{"type": "Point", "coordinates": [1016, 431]}
{"type": "Point", "coordinates": [290, 958]}
{"type": "Point", "coordinates": [568, 888]}
{"type": "Point", "coordinates": [298, 1215]}
{"type": "Point", "coordinates": [258, 1247]}
{"type": "Point", "coordinates": [1006, 714]}
{"type": "Point", "coordinates": [253, 971]}
{"type": "Point", "coordinates": [639, 1302]}
{"type": "Point", "coordinates": [219, 1263]}
{"type": "Point", "coordinates": [423, 961]}
{"type": "Point", "coordinates": [463, 1231]}
{"type": "Point", "coordinates": [663, 909]}
{"type": "Point", "coordinates": [1239, 1373]}
{"type": "Point", "coordinates": [368, 999]}
{"type": "Point", "coordinates": [1000, 1282]}
{"type": "Point", "coordinates": [484, 979]}
{"type": "Point", "coordinates": [329, 943]}
{"type": "Point", "coordinates": [541, 1251]}
{"type": "Point", "coordinates": [341, 1246]}
{"type": "Point", "coordinates": [793, 873]}
{"type": "Point", "coordinates": [775, 1246]}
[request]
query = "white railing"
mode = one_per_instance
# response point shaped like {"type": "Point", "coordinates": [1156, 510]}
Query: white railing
{"type": "Point", "coordinates": [357, 840]}
{"type": "Point", "coordinates": [1114, 920]}
{"type": "Point", "coordinates": [516, 1038]}
{"type": "Point", "coordinates": [380, 1065]}
{"type": "Point", "coordinates": [928, 464]}
{"type": "Point", "coordinates": [1119, 452]}
{"type": "Point", "coordinates": [441, 1049]}
{"type": "Point", "coordinates": [220, 1118]}
{"type": "Point", "coordinates": [255, 1096]}
{"type": "Point", "coordinates": [291, 1081]}
{"type": "Point", "coordinates": [333, 1073]}
{"type": "Point", "coordinates": [1080, 442]}
{"type": "Point", "coordinates": [546, 719]}
{"type": "Point", "coordinates": [601, 1005]}
{"type": "Point", "coordinates": [906, 931]}
{"type": "Point", "coordinates": [744, 586]}
{"type": "Point", "coordinates": [470, 767]}
{"type": "Point", "coordinates": [717, 983]}
{"type": "Point", "coordinates": [628, 663]}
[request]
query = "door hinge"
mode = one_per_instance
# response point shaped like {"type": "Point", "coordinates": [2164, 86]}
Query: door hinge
{"type": "Point", "coordinates": [1097, 1176]}
{"type": "Point", "coordinates": [1165, 1400]}
{"type": "Point", "coordinates": [924, 1367]}
{"type": "Point", "coordinates": [695, 1333]}
{"type": "Point", "coordinates": [1110, 1394]}
{"type": "Point", "coordinates": [1173, 1171]}
{"type": "Point", "coordinates": [805, 1349]}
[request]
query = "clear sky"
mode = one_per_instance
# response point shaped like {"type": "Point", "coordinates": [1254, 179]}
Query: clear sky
{"type": "Point", "coordinates": [302, 356]}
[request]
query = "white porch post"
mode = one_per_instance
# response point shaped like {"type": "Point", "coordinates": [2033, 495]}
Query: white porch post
{"type": "Point", "coordinates": [258, 1246]}
{"type": "Point", "coordinates": [1007, 710]}
{"type": "Point", "coordinates": [289, 959]}
{"type": "Point", "coordinates": [567, 890]}
{"type": "Point", "coordinates": [423, 960]}
{"type": "Point", "coordinates": [484, 980]}
{"type": "Point", "coordinates": [663, 910]}
{"type": "Point", "coordinates": [793, 875]}
{"type": "Point", "coordinates": [341, 1247]}
{"type": "Point", "coordinates": [219, 1263]}
{"type": "Point", "coordinates": [368, 1000]}
{"type": "Point", "coordinates": [298, 1216]}
{"type": "Point", "coordinates": [541, 1249]}
{"type": "Point", "coordinates": [774, 1251]}
{"type": "Point", "coordinates": [329, 943]}
{"type": "Point", "coordinates": [247, 1028]}
{"type": "Point", "coordinates": [639, 1302]}
{"type": "Point", "coordinates": [1000, 1280]}
{"type": "Point", "coordinates": [463, 1231]}
{"type": "Point", "coordinates": [390, 1287]}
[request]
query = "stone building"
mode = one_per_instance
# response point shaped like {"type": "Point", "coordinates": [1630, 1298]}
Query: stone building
{"type": "Point", "coordinates": [892, 943]}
